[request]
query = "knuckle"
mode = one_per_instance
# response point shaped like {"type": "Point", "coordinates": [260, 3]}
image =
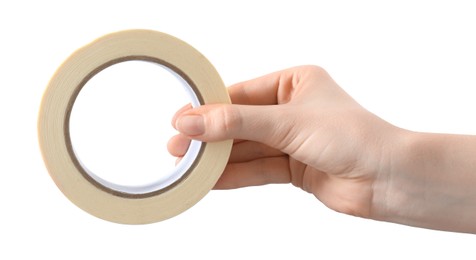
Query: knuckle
{"type": "Point", "coordinates": [229, 119]}
{"type": "Point", "coordinates": [313, 69]}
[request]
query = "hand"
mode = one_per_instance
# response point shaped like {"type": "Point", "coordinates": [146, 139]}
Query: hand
{"type": "Point", "coordinates": [296, 126]}
{"type": "Point", "coordinates": [299, 126]}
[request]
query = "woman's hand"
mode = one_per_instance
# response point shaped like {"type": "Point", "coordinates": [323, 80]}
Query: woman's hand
{"type": "Point", "coordinates": [295, 126]}
{"type": "Point", "coordinates": [299, 126]}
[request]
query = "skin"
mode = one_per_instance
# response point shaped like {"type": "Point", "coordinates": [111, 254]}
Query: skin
{"type": "Point", "coordinates": [298, 126]}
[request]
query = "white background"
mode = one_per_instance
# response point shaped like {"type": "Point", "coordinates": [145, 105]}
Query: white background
{"type": "Point", "coordinates": [411, 62]}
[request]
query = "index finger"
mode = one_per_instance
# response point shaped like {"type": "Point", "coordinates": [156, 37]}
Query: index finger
{"type": "Point", "coordinates": [264, 90]}
{"type": "Point", "coordinates": [259, 91]}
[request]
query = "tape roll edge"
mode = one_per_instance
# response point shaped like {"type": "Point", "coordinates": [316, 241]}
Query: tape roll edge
{"type": "Point", "coordinates": [127, 210]}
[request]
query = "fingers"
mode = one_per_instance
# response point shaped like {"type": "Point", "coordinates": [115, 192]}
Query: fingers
{"type": "Point", "coordinates": [264, 124]}
{"type": "Point", "coordinates": [254, 173]}
{"type": "Point", "coordinates": [249, 151]}
{"type": "Point", "coordinates": [270, 89]}
{"type": "Point", "coordinates": [258, 120]}
{"type": "Point", "coordinates": [259, 91]}
{"type": "Point", "coordinates": [180, 111]}
{"type": "Point", "coordinates": [243, 151]}
{"type": "Point", "coordinates": [178, 145]}
{"type": "Point", "coordinates": [277, 87]}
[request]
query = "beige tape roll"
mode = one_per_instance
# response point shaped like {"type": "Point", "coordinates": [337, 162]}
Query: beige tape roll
{"type": "Point", "coordinates": [55, 143]}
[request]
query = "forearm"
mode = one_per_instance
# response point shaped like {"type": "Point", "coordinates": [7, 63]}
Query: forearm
{"type": "Point", "coordinates": [431, 182]}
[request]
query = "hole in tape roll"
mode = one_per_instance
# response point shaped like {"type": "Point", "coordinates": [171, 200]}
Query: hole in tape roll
{"type": "Point", "coordinates": [119, 126]}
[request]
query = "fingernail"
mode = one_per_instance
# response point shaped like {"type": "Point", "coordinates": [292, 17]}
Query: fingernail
{"type": "Point", "coordinates": [190, 125]}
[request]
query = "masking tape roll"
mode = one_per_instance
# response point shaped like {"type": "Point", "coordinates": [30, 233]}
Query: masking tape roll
{"type": "Point", "coordinates": [82, 187]}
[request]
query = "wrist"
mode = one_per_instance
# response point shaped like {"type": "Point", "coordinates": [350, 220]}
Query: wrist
{"type": "Point", "coordinates": [390, 194]}
{"type": "Point", "coordinates": [428, 181]}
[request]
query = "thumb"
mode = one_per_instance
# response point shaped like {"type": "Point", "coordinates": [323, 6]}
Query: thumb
{"type": "Point", "coordinates": [264, 124]}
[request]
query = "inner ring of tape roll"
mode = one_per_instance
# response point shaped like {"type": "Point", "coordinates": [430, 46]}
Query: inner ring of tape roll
{"type": "Point", "coordinates": [180, 172]}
